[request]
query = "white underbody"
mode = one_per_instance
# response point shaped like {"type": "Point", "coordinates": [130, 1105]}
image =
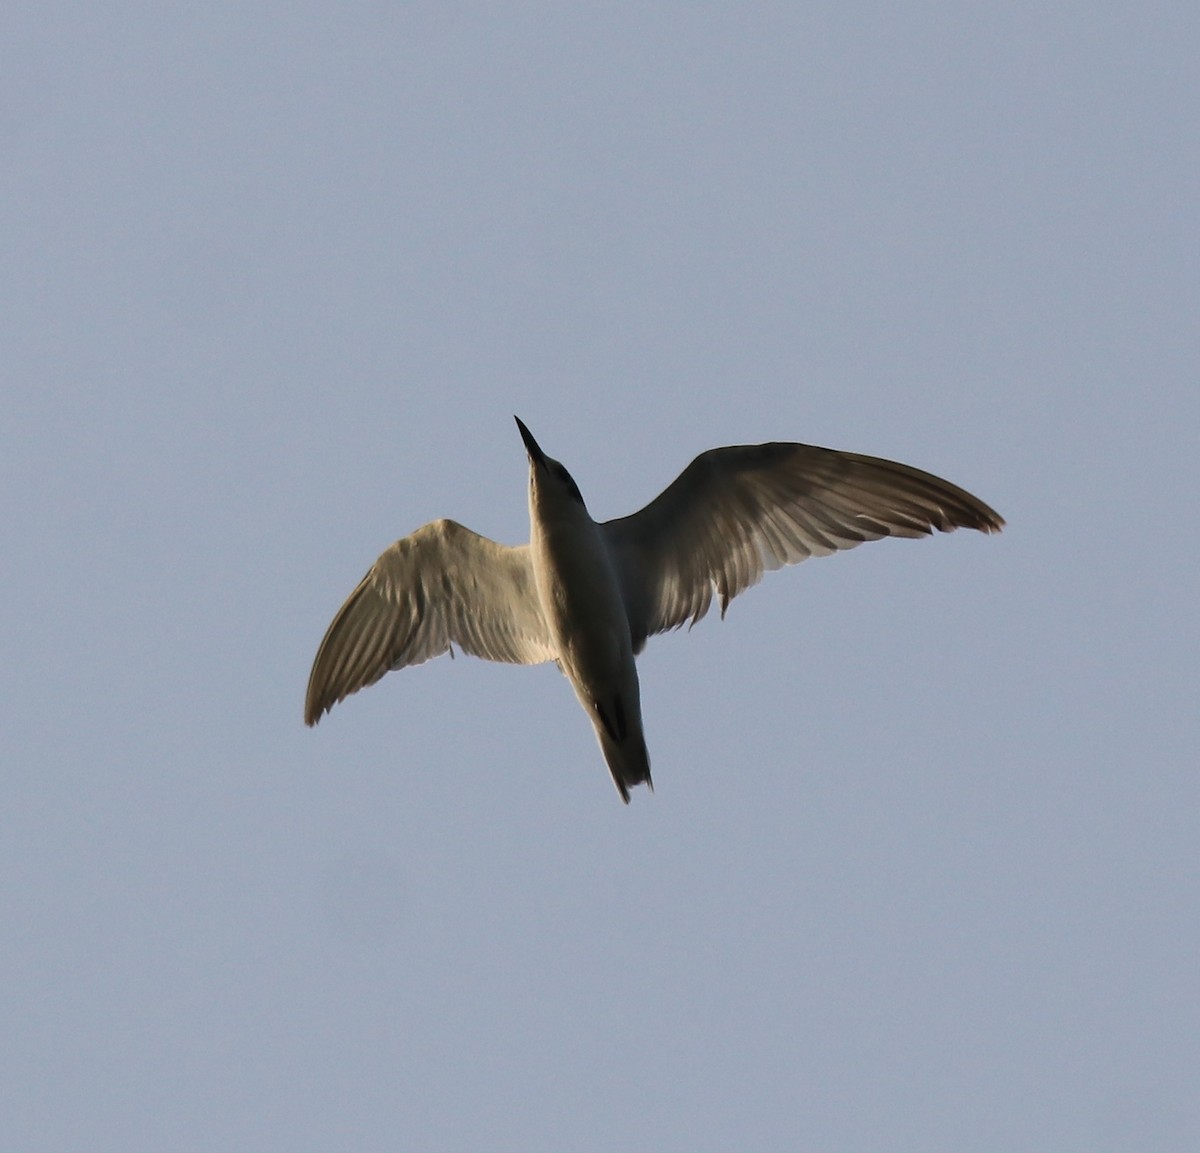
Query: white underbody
{"type": "Point", "coordinates": [585, 611]}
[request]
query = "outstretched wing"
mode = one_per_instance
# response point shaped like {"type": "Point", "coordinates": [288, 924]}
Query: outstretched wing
{"type": "Point", "coordinates": [736, 512]}
{"type": "Point", "coordinates": [443, 584]}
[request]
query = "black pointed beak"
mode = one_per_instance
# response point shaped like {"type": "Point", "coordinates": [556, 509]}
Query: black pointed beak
{"type": "Point", "coordinates": [531, 446]}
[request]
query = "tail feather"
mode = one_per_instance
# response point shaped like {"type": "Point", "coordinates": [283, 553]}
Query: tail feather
{"type": "Point", "coordinates": [627, 760]}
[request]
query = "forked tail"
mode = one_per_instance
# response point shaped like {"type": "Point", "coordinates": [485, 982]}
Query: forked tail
{"type": "Point", "coordinates": [627, 760]}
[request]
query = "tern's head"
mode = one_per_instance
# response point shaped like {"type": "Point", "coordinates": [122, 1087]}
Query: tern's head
{"type": "Point", "coordinates": [550, 484]}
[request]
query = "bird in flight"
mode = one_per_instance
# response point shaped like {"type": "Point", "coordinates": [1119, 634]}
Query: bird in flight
{"type": "Point", "coordinates": [587, 594]}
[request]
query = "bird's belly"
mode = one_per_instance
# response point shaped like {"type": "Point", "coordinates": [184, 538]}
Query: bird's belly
{"type": "Point", "coordinates": [587, 620]}
{"type": "Point", "coordinates": [592, 635]}
{"type": "Point", "coordinates": [594, 655]}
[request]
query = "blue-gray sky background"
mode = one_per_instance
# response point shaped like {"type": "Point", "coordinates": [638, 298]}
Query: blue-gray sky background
{"type": "Point", "coordinates": [922, 870]}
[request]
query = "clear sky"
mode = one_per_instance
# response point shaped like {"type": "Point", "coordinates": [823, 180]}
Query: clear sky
{"type": "Point", "coordinates": [922, 870]}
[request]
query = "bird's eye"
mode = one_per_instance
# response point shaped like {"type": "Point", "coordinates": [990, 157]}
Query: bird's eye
{"type": "Point", "coordinates": [569, 481]}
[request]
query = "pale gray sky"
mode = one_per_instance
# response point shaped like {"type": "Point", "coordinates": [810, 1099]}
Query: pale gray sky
{"type": "Point", "coordinates": [922, 870]}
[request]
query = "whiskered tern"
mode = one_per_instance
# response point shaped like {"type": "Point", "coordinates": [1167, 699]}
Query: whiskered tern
{"type": "Point", "coordinates": [586, 595]}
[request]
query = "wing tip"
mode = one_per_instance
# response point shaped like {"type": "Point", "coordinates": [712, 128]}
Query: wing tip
{"type": "Point", "coordinates": [313, 712]}
{"type": "Point", "coordinates": [986, 520]}
{"type": "Point", "coordinates": [318, 701]}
